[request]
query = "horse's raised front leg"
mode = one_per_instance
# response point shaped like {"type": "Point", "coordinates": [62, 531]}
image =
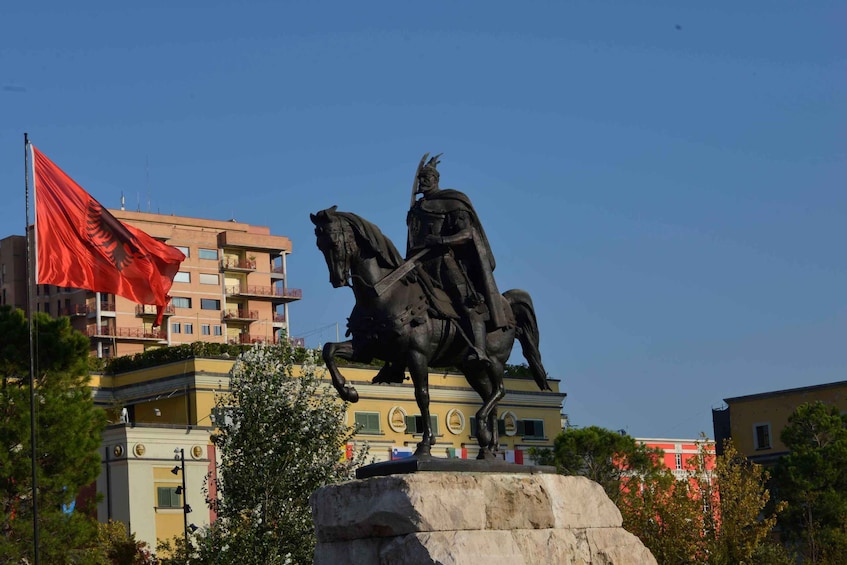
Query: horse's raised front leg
{"type": "Point", "coordinates": [343, 349]}
{"type": "Point", "coordinates": [420, 377]}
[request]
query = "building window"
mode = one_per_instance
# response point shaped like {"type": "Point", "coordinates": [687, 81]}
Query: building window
{"type": "Point", "coordinates": [414, 424]}
{"type": "Point", "coordinates": [210, 304]}
{"type": "Point", "coordinates": [176, 328]}
{"type": "Point", "coordinates": [183, 249]}
{"type": "Point", "coordinates": [183, 276]}
{"type": "Point", "coordinates": [208, 254]}
{"type": "Point", "coordinates": [218, 330]}
{"type": "Point", "coordinates": [181, 302]}
{"type": "Point", "coordinates": [531, 429]}
{"type": "Point", "coordinates": [206, 278]}
{"type": "Point", "coordinates": [168, 498]}
{"type": "Point", "coordinates": [367, 422]}
{"type": "Point", "coordinates": [205, 329]}
{"type": "Point", "coordinates": [678, 457]}
{"type": "Point", "coordinates": [189, 328]}
{"type": "Point", "coordinates": [762, 436]}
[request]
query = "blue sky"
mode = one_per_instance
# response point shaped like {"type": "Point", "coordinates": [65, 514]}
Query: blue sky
{"type": "Point", "coordinates": [662, 177]}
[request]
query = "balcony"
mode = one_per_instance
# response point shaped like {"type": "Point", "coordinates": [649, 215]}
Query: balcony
{"type": "Point", "coordinates": [150, 310]}
{"type": "Point", "coordinates": [73, 311]}
{"type": "Point", "coordinates": [239, 265]}
{"type": "Point", "coordinates": [247, 339]}
{"type": "Point", "coordinates": [240, 315]}
{"type": "Point", "coordinates": [270, 292]}
{"type": "Point", "coordinates": [279, 318]}
{"type": "Point", "coordinates": [277, 272]}
{"type": "Point", "coordinates": [106, 309]}
{"type": "Point", "coordinates": [129, 334]}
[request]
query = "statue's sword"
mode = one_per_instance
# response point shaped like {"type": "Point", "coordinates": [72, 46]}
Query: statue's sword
{"type": "Point", "coordinates": [388, 280]}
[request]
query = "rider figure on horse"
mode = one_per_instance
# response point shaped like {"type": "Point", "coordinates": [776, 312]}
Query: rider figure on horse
{"type": "Point", "coordinates": [459, 259]}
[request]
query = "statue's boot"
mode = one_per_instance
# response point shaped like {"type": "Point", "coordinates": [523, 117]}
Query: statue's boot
{"type": "Point", "coordinates": [390, 373]}
{"type": "Point", "coordinates": [476, 354]}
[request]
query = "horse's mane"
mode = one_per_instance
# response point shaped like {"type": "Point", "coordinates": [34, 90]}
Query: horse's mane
{"type": "Point", "coordinates": [383, 247]}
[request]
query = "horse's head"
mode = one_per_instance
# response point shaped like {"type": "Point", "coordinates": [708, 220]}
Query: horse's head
{"type": "Point", "coordinates": [334, 239]}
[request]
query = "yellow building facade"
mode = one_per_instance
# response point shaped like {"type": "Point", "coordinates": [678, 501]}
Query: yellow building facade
{"type": "Point", "coordinates": [161, 410]}
{"type": "Point", "coordinates": [755, 422]}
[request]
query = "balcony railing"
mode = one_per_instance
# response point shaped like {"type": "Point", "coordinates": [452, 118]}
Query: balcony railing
{"type": "Point", "coordinates": [279, 318]}
{"type": "Point", "coordinates": [238, 264]}
{"type": "Point", "coordinates": [130, 333]}
{"type": "Point", "coordinates": [76, 310]}
{"type": "Point", "coordinates": [241, 315]}
{"type": "Point", "coordinates": [150, 310]}
{"type": "Point", "coordinates": [246, 339]}
{"type": "Point", "coordinates": [271, 291]}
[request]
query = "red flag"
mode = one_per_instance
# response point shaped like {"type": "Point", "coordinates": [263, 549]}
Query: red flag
{"type": "Point", "coordinates": [82, 245]}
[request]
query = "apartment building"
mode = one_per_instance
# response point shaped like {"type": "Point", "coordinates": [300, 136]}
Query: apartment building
{"type": "Point", "coordinates": [13, 271]}
{"type": "Point", "coordinates": [232, 287]}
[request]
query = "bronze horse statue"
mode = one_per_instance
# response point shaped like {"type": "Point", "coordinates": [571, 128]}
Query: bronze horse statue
{"type": "Point", "coordinates": [393, 321]}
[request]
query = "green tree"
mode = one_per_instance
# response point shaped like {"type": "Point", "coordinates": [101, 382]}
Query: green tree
{"type": "Point", "coordinates": [714, 514]}
{"type": "Point", "coordinates": [606, 457]}
{"type": "Point", "coordinates": [68, 436]}
{"type": "Point", "coordinates": [120, 546]}
{"type": "Point", "coordinates": [666, 514]}
{"type": "Point", "coordinates": [281, 437]}
{"type": "Point", "coordinates": [812, 480]}
{"type": "Point", "coordinates": [739, 527]}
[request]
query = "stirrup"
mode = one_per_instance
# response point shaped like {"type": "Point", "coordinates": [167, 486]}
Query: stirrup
{"type": "Point", "coordinates": [476, 356]}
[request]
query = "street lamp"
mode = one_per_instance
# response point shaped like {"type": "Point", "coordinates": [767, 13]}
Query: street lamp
{"type": "Point", "coordinates": [181, 490]}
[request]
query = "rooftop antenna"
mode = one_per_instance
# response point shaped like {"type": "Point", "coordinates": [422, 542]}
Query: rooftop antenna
{"type": "Point", "coordinates": [138, 202]}
{"type": "Point", "coordinates": [123, 201]}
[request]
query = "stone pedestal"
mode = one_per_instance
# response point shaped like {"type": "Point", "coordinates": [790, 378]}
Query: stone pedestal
{"type": "Point", "coordinates": [471, 518]}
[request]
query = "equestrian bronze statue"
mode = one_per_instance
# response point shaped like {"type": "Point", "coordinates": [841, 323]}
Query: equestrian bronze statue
{"type": "Point", "coordinates": [437, 307]}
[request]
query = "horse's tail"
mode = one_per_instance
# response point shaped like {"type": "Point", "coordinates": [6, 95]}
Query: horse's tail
{"type": "Point", "coordinates": [526, 330]}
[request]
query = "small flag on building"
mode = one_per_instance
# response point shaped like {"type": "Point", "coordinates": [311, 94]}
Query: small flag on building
{"type": "Point", "coordinates": [514, 456]}
{"type": "Point", "coordinates": [401, 452]}
{"type": "Point", "coordinates": [457, 452]}
{"type": "Point", "coordinates": [80, 244]}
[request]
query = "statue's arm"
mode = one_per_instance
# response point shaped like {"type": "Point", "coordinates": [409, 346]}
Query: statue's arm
{"type": "Point", "coordinates": [462, 227]}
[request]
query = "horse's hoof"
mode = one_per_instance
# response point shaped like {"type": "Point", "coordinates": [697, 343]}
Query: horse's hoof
{"type": "Point", "coordinates": [423, 451]}
{"type": "Point", "coordinates": [487, 455]}
{"type": "Point", "coordinates": [350, 394]}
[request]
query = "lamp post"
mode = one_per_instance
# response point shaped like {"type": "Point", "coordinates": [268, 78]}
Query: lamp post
{"type": "Point", "coordinates": [181, 490]}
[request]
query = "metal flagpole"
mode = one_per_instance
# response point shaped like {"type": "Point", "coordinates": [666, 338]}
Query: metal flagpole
{"type": "Point", "coordinates": [30, 243]}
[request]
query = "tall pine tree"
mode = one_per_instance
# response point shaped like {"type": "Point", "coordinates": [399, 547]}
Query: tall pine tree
{"type": "Point", "coordinates": [68, 434]}
{"type": "Point", "coordinates": [812, 480]}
